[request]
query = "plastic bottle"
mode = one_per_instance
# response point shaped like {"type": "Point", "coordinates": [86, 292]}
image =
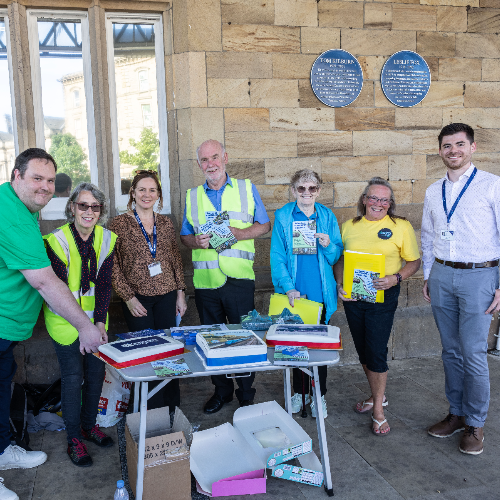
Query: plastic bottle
{"type": "Point", "coordinates": [121, 493]}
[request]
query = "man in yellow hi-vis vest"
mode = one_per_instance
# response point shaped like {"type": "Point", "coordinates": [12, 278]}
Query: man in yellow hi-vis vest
{"type": "Point", "coordinates": [224, 282]}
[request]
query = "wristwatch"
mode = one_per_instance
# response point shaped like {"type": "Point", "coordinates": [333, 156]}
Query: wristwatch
{"type": "Point", "coordinates": [399, 278]}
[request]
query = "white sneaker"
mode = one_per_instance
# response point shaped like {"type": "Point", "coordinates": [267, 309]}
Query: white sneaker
{"type": "Point", "coordinates": [323, 405]}
{"type": "Point", "coordinates": [297, 402]}
{"type": "Point", "coordinates": [15, 457]}
{"type": "Point", "coordinates": [5, 493]}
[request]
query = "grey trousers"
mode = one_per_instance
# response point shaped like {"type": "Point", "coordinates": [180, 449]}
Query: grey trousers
{"type": "Point", "coordinates": [459, 298]}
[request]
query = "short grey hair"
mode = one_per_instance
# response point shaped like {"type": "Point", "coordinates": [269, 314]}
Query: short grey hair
{"type": "Point", "coordinates": [222, 148]}
{"type": "Point", "coordinates": [305, 175]}
{"type": "Point", "coordinates": [95, 192]}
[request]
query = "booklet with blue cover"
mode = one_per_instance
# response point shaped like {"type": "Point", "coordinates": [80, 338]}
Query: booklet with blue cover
{"type": "Point", "coordinates": [291, 355]}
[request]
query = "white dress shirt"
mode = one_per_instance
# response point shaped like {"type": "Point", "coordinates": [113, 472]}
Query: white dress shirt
{"type": "Point", "coordinates": [475, 222]}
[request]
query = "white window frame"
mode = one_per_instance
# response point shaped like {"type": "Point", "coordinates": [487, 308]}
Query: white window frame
{"type": "Point", "coordinates": [121, 200]}
{"type": "Point", "coordinates": [76, 100]}
{"type": "Point", "coordinates": [143, 80]}
{"type": "Point", "coordinates": [54, 210]}
{"type": "Point", "coordinates": [4, 14]}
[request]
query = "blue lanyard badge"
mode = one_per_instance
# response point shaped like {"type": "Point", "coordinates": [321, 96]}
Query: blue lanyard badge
{"type": "Point", "coordinates": [448, 215]}
{"type": "Point", "coordinates": [152, 248]}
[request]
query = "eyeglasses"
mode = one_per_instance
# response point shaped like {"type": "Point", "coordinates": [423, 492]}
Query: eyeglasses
{"type": "Point", "coordinates": [374, 199]}
{"type": "Point", "coordinates": [84, 207]}
{"type": "Point", "coordinates": [303, 189]}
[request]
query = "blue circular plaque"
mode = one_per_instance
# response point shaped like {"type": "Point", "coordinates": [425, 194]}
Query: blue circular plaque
{"type": "Point", "coordinates": [336, 78]}
{"type": "Point", "coordinates": [405, 78]}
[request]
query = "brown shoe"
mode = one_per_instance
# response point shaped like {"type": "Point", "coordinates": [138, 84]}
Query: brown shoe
{"type": "Point", "coordinates": [447, 427]}
{"type": "Point", "coordinates": [472, 440]}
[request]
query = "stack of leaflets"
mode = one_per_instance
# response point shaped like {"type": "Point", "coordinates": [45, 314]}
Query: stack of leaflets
{"type": "Point", "coordinates": [187, 334]}
{"type": "Point", "coordinates": [255, 321]}
{"type": "Point", "coordinates": [291, 355]}
{"type": "Point", "coordinates": [217, 226]}
{"type": "Point", "coordinates": [304, 242]}
{"type": "Point", "coordinates": [171, 368]}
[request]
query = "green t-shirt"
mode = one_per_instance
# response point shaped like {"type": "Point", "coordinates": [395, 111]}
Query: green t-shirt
{"type": "Point", "coordinates": [21, 247]}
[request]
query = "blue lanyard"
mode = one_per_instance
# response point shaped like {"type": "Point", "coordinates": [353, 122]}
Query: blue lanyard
{"type": "Point", "coordinates": [448, 215]}
{"type": "Point", "coordinates": [152, 248]}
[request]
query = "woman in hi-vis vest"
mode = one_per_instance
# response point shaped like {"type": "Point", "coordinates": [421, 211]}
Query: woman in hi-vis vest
{"type": "Point", "coordinates": [81, 253]}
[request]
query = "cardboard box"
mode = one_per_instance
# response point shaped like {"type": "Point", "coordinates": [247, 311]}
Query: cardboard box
{"type": "Point", "coordinates": [166, 462]}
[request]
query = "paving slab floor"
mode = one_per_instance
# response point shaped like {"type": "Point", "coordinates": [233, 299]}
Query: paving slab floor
{"type": "Point", "coordinates": [406, 464]}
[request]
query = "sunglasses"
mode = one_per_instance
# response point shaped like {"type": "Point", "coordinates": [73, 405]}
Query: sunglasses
{"type": "Point", "coordinates": [303, 189]}
{"type": "Point", "coordinates": [84, 207]}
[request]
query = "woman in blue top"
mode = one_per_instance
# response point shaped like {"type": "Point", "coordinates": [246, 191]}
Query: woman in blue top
{"type": "Point", "coordinates": [308, 274]}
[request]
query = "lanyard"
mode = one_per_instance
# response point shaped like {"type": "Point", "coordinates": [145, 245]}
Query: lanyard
{"type": "Point", "coordinates": [448, 215]}
{"type": "Point", "coordinates": [152, 248]}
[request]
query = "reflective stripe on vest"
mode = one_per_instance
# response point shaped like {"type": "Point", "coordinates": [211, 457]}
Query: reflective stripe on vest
{"type": "Point", "coordinates": [210, 268]}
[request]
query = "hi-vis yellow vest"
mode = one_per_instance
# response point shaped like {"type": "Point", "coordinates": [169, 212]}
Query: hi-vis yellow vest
{"type": "Point", "coordinates": [62, 243]}
{"type": "Point", "coordinates": [210, 268]}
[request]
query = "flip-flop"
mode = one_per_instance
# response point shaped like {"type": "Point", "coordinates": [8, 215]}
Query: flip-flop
{"type": "Point", "coordinates": [378, 432]}
{"type": "Point", "coordinates": [370, 406]}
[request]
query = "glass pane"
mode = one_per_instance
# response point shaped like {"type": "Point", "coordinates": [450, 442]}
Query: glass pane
{"type": "Point", "coordinates": [136, 99]}
{"type": "Point", "coordinates": [7, 149]}
{"type": "Point", "coordinates": [63, 101]}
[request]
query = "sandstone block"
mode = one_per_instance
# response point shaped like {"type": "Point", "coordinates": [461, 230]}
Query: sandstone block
{"type": "Point", "coordinates": [475, 117]}
{"type": "Point", "coordinates": [418, 118]}
{"type": "Point", "coordinates": [318, 40]}
{"type": "Point", "coordinates": [453, 3]}
{"type": "Point", "coordinates": [246, 119]}
{"type": "Point", "coordinates": [335, 14]}
{"type": "Point", "coordinates": [307, 98]}
{"type": "Point", "coordinates": [364, 119]}
{"type": "Point", "coordinates": [353, 168]}
{"type": "Point", "coordinates": [190, 175]}
{"type": "Point", "coordinates": [262, 252]}
{"type": "Point", "coordinates": [196, 125]}
{"type": "Point", "coordinates": [381, 100]}
{"type": "Point", "coordinates": [247, 169]}
{"type": "Point", "coordinates": [292, 65]}
{"type": "Point", "coordinates": [487, 140]}
{"type": "Point", "coordinates": [274, 93]}
{"type": "Point", "coordinates": [378, 16]}
{"type": "Point", "coordinates": [489, 3]}
{"type": "Point", "coordinates": [239, 65]}
{"type": "Point", "coordinates": [483, 20]}
{"type": "Point", "coordinates": [381, 143]}
{"type": "Point", "coordinates": [435, 167]}
{"type": "Point", "coordinates": [412, 212]}
{"type": "Point", "coordinates": [296, 12]}
{"type": "Point", "coordinates": [482, 95]}
{"type": "Point", "coordinates": [247, 11]}
{"type": "Point", "coordinates": [366, 97]}
{"type": "Point", "coordinates": [407, 167]}
{"type": "Point", "coordinates": [302, 119]}
{"type": "Point", "coordinates": [189, 77]}
{"type": "Point", "coordinates": [274, 196]}
{"type": "Point", "coordinates": [419, 189]}
{"type": "Point", "coordinates": [444, 94]}
{"type": "Point", "coordinates": [260, 38]}
{"type": "Point", "coordinates": [261, 144]}
{"type": "Point", "coordinates": [344, 214]}
{"type": "Point", "coordinates": [460, 69]}
{"type": "Point", "coordinates": [372, 65]}
{"type": "Point", "coordinates": [491, 70]}
{"type": "Point", "coordinates": [324, 143]}
{"type": "Point", "coordinates": [228, 93]}
{"type": "Point", "coordinates": [477, 45]}
{"type": "Point", "coordinates": [431, 43]}
{"type": "Point", "coordinates": [488, 161]}
{"type": "Point", "coordinates": [402, 191]}
{"type": "Point", "coordinates": [433, 63]}
{"type": "Point", "coordinates": [425, 141]}
{"type": "Point", "coordinates": [376, 42]}
{"type": "Point", "coordinates": [281, 170]}
{"type": "Point", "coordinates": [400, 1]}
{"type": "Point", "coordinates": [414, 17]}
{"type": "Point", "coordinates": [346, 194]}
{"type": "Point", "coordinates": [452, 16]}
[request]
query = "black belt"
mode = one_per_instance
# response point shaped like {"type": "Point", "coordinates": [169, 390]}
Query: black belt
{"type": "Point", "coordinates": [468, 265]}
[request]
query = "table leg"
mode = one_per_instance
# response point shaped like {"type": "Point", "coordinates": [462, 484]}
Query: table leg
{"type": "Point", "coordinates": [288, 391]}
{"type": "Point", "coordinates": [320, 424]}
{"type": "Point", "coordinates": [136, 396]}
{"type": "Point", "coordinates": [142, 441]}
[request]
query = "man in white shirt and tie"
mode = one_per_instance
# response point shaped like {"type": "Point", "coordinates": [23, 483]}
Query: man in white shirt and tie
{"type": "Point", "coordinates": [461, 251]}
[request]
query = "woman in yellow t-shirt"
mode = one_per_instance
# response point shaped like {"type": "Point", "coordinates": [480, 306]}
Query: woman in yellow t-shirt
{"type": "Point", "coordinates": [377, 230]}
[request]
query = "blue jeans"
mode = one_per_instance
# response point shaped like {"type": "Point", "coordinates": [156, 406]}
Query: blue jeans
{"type": "Point", "coordinates": [79, 403]}
{"type": "Point", "coordinates": [370, 326]}
{"type": "Point", "coordinates": [459, 298]}
{"type": "Point", "coordinates": [7, 370]}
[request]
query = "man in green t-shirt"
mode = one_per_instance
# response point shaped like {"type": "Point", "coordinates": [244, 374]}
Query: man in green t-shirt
{"type": "Point", "coordinates": [26, 279]}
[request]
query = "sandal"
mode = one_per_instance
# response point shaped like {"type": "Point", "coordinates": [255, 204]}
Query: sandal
{"type": "Point", "coordinates": [378, 432]}
{"type": "Point", "coordinates": [359, 406]}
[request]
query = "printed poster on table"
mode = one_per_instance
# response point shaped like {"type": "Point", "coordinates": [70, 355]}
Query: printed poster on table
{"type": "Point", "coordinates": [304, 242]}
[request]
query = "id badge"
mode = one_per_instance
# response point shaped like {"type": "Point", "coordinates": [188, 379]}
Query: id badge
{"type": "Point", "coordinates": [154, 269]}
{"type": "Point", "coordinates": [447, 235]}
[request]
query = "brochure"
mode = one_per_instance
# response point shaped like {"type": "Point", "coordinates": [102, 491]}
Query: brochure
{"type": "Point", "coordinates": [221, 236]}
{"type": "Point", "coordinates": [291, 355]}
{"type": "Point", "coordinates": [218, 217]}
{"type": "Point", "coordinates": [362, 285]}
{"type": "Point", "coordinates": [358, 267]}
{"type": "Point", "coordinates": [304, 242]}
{"type": "Point", "coordinates": [171, 367]}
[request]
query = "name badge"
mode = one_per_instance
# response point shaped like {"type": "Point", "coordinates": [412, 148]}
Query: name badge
{"type": "Point", "coordinates": [154, 269]}
{"type": "Point", "coordinates": [447, 235]}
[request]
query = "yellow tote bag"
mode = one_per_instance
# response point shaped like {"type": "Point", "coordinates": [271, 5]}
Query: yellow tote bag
{"type": "Point", "coordinates": [308, 310]}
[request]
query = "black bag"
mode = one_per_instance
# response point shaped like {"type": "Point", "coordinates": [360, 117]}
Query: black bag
{"type": "Point", "coordinates": [19, 417]}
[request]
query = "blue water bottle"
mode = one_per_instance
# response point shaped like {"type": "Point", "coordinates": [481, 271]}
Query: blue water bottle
{"type": "Point", "coordinates": [121, 493]}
